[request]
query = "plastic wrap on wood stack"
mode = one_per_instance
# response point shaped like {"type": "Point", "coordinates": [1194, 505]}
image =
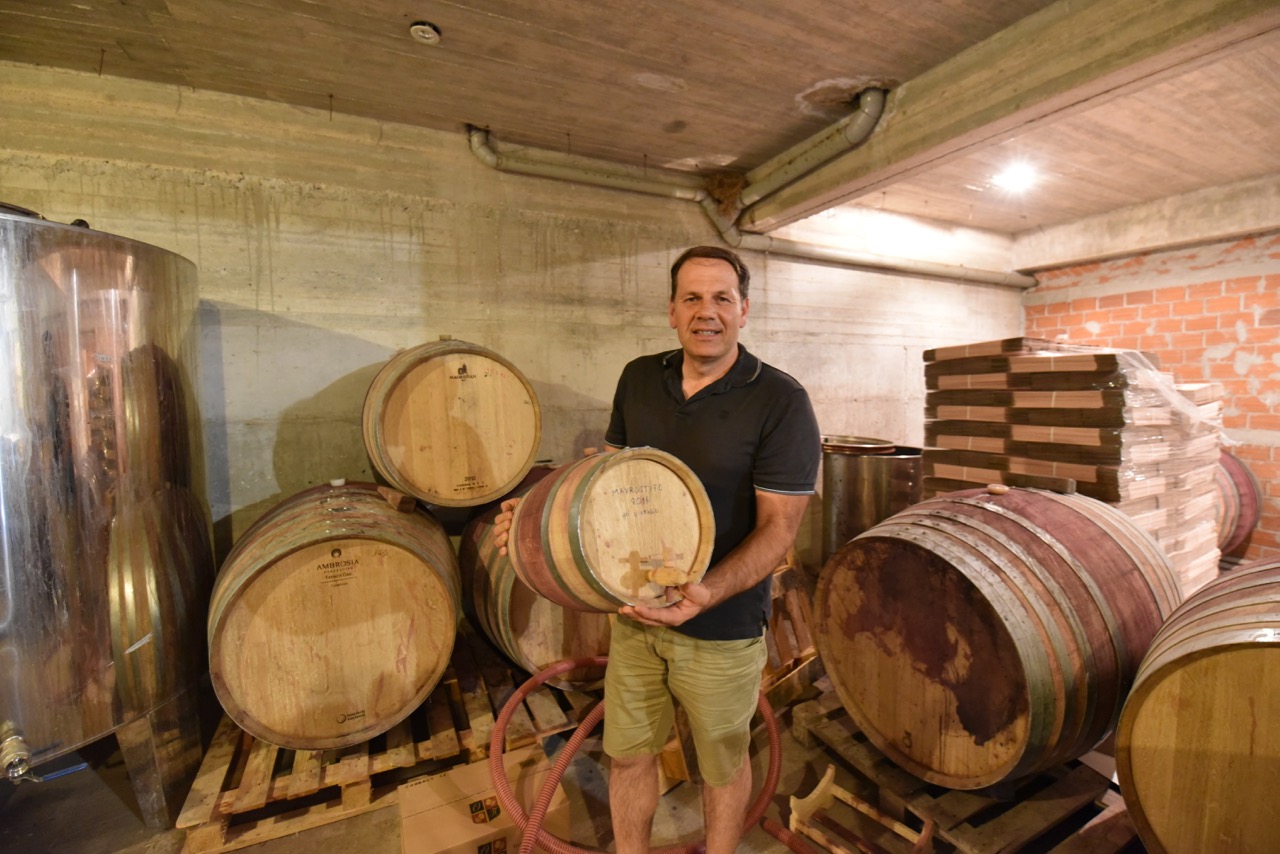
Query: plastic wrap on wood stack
{"type": "Point", "coordinates": [1071, 418]}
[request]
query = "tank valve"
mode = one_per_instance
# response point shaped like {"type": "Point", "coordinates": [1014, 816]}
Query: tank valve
{"type": "Point", "coordinates": [15, 756]}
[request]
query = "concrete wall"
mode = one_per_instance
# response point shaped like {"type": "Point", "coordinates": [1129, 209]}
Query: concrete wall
{"type": "Point", "coordinates": [325, 243]}
{"type": "Point", "coordinates": [1208, 313]}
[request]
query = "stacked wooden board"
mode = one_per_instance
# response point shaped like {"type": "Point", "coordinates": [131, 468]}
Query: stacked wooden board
{"type": "Point", "coordinates": [1071, 418]}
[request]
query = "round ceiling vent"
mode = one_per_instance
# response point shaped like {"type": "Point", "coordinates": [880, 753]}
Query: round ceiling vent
{"type": "Point", "coordinates": [425, 32]}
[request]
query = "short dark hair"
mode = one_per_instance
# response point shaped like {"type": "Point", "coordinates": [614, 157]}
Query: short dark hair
{"type": "Point", "coordinates": [717, 253]}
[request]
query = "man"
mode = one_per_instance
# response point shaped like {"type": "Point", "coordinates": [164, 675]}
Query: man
{"type": "Point", "coordinates": [748, 431]}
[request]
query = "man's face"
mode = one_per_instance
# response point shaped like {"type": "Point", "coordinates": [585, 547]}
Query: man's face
{"type": "Point", "coordinates": [708, 311]}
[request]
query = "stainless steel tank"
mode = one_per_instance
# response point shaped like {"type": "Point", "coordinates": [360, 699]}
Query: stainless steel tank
{"type": "Point", "coordinates": [864, 481]}
{"type": "Point", "coordinates": [105, 557]}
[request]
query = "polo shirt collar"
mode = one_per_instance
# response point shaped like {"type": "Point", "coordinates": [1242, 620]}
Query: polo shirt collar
{"type": "Point", "coordinates": [744, 370]}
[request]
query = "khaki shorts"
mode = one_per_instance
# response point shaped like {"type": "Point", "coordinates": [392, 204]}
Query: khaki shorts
{"type": "Point", "coordinates": [717, 683]}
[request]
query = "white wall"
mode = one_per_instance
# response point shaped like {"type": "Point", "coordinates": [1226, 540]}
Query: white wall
{"type": "Point", "coordinates": [325, 243]}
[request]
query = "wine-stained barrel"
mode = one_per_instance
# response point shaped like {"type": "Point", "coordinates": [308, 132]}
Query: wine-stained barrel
{"type": "Point", "coordinates": [1239, 501]}
{"type": "Point", "coordinates": [986, 635]}
{"type": "Point", "coordinates": [1197, 747]}
{"type": "Point", "coordinates": [529, 628]}
{"type": "Point", "coordinates": [452, 423]}
{"type": "Point", "coordinates": [332, 618]}
{"type": "Point", "coordinates": [588, 536]}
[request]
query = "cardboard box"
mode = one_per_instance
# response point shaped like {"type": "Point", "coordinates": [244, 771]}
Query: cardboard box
{"type": "Point", "coordinates": [457, 812]}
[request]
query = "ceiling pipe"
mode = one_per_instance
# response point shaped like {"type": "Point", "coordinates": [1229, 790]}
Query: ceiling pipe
{"type": "Point", "coordinates": [809, 154]}
{"type": "Point", "coordinates": [584, 170]}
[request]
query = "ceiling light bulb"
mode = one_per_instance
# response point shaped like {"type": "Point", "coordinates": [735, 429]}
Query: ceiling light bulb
{"type": "Point", "coordinates": [1016, 177]}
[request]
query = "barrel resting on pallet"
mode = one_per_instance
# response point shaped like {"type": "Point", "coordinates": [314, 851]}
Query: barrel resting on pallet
{"type": "Point", "coordinates": [1068, 809]}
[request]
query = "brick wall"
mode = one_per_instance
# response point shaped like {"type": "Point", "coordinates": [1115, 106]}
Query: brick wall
{"type": "Point", "coordinates": [1207, 313]}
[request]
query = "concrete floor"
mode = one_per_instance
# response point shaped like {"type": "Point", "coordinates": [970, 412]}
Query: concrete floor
{"type": "Point", "coordinates": [94, 811]}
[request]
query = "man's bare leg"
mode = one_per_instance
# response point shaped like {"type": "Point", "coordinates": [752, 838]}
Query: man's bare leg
{"type": "Point", "coordinates": [724, 811]}
{"type": "Point", "coordinates": [633, 799]}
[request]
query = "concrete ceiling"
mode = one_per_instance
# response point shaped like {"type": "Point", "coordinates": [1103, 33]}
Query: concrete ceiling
{"type": "Point", "coordinates": [1122, 105]}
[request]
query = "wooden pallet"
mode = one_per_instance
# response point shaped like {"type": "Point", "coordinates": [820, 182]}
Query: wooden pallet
{"type": "Point", "coordinates": [793, 666]}
{"type": "Point", "coordinates": [1071, 809]}
{"type": "Point", "coordinates": [248, 791]}
{"type": "Point", "coordinates": [482, 680]}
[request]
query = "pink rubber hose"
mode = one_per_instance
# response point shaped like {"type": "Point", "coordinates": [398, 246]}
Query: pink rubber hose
{"type": "Point", "coordinates": [530, 824]}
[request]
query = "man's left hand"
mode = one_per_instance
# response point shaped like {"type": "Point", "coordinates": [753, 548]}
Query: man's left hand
{"type": "Point", "coordinates": [696, 598]}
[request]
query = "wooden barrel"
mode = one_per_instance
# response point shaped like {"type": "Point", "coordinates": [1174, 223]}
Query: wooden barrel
{"type": "Point", "coordinates": [451, 423]}
{"type": "Point", "coordinates": [1197, 748]}
{"type": "Point", "coordinates": [529, 628]}
{"type": "Point", "coordinates": [587, 536]}
{"type": "Point", "coordinates": [984, 636]}
{"type": "Point", "coordinates": [1238, 504]}
{"type": "Point", "coordinates": [332, 618]}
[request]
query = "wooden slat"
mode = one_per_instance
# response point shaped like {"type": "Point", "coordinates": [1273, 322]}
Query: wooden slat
{"type": "Point", "coordinates": [784, 637]}
{"type": "Point", "coordinates": [353, 764]}
{"type": "Point", "coordinates": [546, 712]}
{"type": "Point", "coordinates": [475, 701]}
{"type": "Point", "coordinates": [255, 783]}
{"type": "Point", "coordinates": [401, 751]}
{"type": "Point", "coordinates": [298, 821]}
{"type": "Point", "coordinates": [842, 736]}
{"type": "Point", "coordinates": [799, 610]}
{"type": "Point", "coordinates": [806, 716]}
{"type": "Point", "coordinates": [305, 779]}
{"type": "Point", "coordinates": [203, 797]}
{"type": "Point", "coordinates": [1110, 832]}
{"type": "Point", "coordinates": [500, 684]}
{"type": "Point", "coordinates": [444, 738]}
{"type": "Point", "coordinates": [794, 685]}
{"type": "Point", "coordinates": [773, 656]}
{"type": "Point", "coordinates": [1030, 818]}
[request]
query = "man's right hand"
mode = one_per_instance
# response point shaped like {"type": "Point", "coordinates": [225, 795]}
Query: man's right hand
{"type": "Point", "coordinates": [502, 524]}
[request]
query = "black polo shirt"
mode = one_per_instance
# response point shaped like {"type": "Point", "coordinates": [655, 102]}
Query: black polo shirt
{"type": "Point", "coordinates": [753, 428]}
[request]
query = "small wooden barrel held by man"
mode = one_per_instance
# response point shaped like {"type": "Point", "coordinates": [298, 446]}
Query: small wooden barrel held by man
{"type": "Point", "coordinates": [612, 529]}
